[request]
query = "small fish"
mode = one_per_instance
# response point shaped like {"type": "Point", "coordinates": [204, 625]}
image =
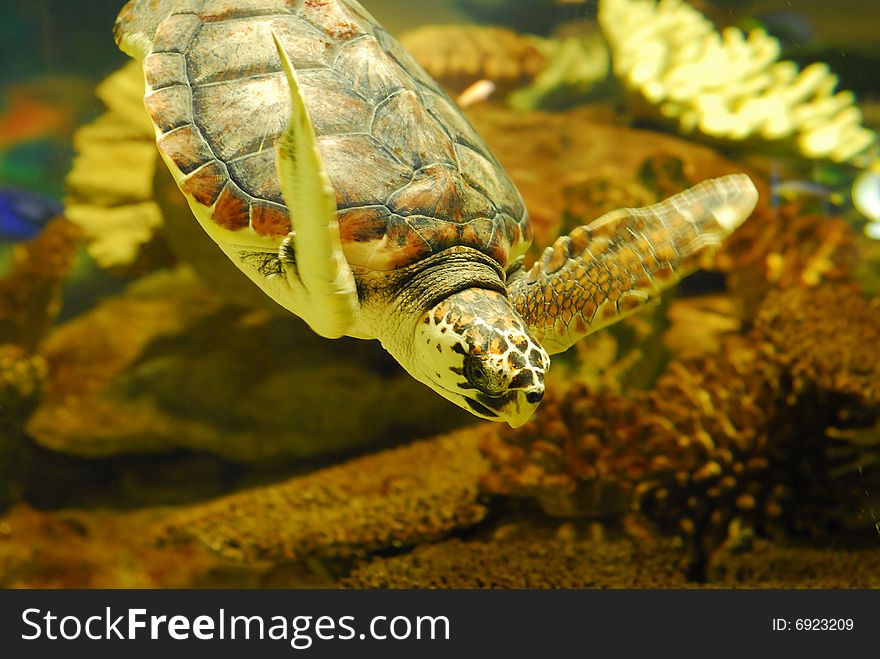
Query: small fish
{"type": "Point", "coordinates": [790, 27]}
{"type": "Point", "coordinates": [23, 214]}
{"type": "Point", "coordinates": [476, 93]}
{"type": "Point", "coordinates": [800, 189]}
{"type": "Point", "coordinates": [866, 194]}
{"type": "Point", "coordinates": [803, 191]}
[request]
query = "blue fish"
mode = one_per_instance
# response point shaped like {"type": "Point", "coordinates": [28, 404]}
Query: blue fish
{"type": "Point", "coordinates": [23, 214]}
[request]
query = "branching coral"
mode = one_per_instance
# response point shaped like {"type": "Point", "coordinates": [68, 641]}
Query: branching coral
{"type": "Point", "coordinates": [545, 73]}
{"type": "Point", "coordinates": [728, 86]}
{"type": "Point", "coordinates": [576, 68]}
{"type": "Point", "coordinates": [110, 188]}
{"type": "Point", "coordinates": [399, 497]}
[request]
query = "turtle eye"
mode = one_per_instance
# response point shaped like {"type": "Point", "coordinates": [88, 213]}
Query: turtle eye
{"type": "Point", "coordinates": [476, 374]}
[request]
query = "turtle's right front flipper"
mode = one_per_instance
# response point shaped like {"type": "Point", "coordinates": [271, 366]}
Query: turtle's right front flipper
{"type": "Point", "coordinates": [608, 269]}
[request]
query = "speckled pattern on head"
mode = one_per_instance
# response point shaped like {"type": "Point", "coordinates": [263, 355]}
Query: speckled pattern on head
{"type": "Point", "coordinates": [411, 176]}
{"type": "Point", "coordinates": [498, 356]}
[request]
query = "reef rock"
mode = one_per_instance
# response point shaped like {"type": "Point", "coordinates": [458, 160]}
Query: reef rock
{"type": "Point", "coordinates": [80, 549]}
{"type": "Point", "coordinates": [170, 365]}
{"type": "Point", "coordinates": [534, 563]}
{"type": "Point", "coordinates": [396, 498]}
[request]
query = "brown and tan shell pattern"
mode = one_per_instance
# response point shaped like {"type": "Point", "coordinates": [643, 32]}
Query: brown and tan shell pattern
{"type": "Point", "coordinates": [411, 176]}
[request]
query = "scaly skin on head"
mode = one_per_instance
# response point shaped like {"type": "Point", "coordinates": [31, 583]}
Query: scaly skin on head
{"type": "Point", "coordinates": [474, 350]}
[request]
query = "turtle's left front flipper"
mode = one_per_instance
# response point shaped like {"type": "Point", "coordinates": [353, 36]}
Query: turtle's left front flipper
{"type": "Point", "coordinates": [608, 269]}
{"type": "Point", "coordinates": [321, 269]}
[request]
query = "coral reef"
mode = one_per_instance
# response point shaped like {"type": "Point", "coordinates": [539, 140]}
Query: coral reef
{"type": "Point", "coordinates": [770, 435]}
{"type": "Point", "coordinates": [728, 86]}
{"type": "Point", "coordinates": [170, 365]}
{"type": "Point", "coordinates": [399, 497]}
{"type": "Point", "coordinates": [701, 444]}
{"type": "Point", "coordinates": [535, 563]}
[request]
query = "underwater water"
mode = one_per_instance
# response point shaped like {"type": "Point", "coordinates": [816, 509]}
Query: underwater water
{"type": "Point", "coordinates": [163, 423]}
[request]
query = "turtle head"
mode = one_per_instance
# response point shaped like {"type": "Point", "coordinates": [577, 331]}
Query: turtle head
{"type": "Point", "coordinates": [474, 350]}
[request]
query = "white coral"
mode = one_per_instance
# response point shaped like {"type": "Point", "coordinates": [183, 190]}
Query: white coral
{"type": "Point", "coordinates": [110, 187]}
{"type": "Point", "coordinates": [728, 85]}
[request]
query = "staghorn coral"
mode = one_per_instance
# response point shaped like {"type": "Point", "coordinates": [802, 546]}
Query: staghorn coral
{"type": "Point", "coordinates": [110, 187]}
{"type": "Point", "coordinates": [533, 563]}
{"type": "Point", "coordinates": [728, 86]}
{"type": "Point", "coordinates": [399, 497]}
{"type": "Point", "coordinates": [30, 295]}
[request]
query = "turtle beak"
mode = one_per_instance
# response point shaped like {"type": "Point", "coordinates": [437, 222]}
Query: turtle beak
{"type": "Point", "coordinates": [520, 409]}
{"type": "Point", "coordinates": [515, 408]}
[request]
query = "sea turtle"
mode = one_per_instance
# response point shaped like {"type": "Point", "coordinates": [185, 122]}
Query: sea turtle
{"type": "Point", "coordinates": [334, 172]}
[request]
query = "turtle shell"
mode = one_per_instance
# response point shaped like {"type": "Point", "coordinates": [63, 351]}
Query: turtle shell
{"type": "Point", "coordinates": [411, 175]}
